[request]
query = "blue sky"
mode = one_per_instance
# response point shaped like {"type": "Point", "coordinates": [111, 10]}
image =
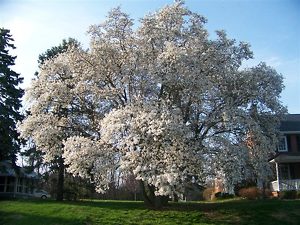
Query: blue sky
{"type": "Point", "coordinates": [272, 27]}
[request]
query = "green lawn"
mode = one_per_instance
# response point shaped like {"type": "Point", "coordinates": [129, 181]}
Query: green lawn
{"type": "Point", "coordinates": [39, 212]}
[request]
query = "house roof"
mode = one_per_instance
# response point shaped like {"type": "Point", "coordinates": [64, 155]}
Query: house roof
{"type": "Point", "coordinates": [286, 157]}
{"type": "Point", "coordinates": [7, 169]}
{"type": "Point", "coordinates": [290, 123]}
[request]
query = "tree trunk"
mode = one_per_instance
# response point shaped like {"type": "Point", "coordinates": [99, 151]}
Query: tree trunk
{"type": "Point", "coordinates": [176, 198]}
{"type": "Point", "coordinates": [149, 197]}
{"type": "Point", "coordinates": [60, 182]}
{"type": "Point", "coordinates": [161, 201]}
{"type": "Point", "coordinates": [264, 196]}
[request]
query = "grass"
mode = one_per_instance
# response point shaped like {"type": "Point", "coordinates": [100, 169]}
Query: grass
{"type": "Point", "coordinates": [39, 212]}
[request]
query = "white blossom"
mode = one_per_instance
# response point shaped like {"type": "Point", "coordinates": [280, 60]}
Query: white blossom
{"type": "Point", "coordinates": [162, 101]}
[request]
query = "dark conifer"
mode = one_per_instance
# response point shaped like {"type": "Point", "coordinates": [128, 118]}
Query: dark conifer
{"type": "Point", "coordinates": [10, 99]}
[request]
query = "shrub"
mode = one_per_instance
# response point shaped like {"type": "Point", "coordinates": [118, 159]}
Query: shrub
{"type": "Point", "coordinates": [218, 194]}
{"type": "Point", "coordinates": [70, 195]}
{"type": "Point", "coordinates": [292, 194]}
{"type": "Point", "coordinates": [244, 184]}
{"type": "Point", "coordinates": [222, 195]}
{"type": "Point", "coordinates": [250, 193]}
{"type": "Point", "coordinates": [208, 194]}
{"type": "Point", "coordinates": [268, 193]}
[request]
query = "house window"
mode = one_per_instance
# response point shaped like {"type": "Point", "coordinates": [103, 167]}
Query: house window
{"type": "Point", "coordinates": [10, 184]}
{"type": "Point", "coordinates": [282, 145]}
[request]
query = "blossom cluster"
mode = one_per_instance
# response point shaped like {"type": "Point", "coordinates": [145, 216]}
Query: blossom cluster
{"type": "Point", "coordinates": [162, 102]}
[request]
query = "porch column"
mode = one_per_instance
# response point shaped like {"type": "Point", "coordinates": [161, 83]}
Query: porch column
{"type": "Point", "coordinates": [23, 184]}
{"type": "Point", "coordinates": [15, 186]}
{"type": "Point", "coordinates": [277, 175]}
{"type": "Point", "coordinates": [5, 184]}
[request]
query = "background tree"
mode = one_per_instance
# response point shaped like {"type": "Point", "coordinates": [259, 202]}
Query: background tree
{"type": "Point", "coordinates": [56, 161]}
{"type": "Point", "coordinates": [162, 102]}
{"type": "Point", "coordinates": [54, 51]}
{"type": "Point", "coordinates": [49, 54]}
{"type": "Point", "coordinates": [32, 159]}
{"type": "Point", "coordinates": [10, 100]}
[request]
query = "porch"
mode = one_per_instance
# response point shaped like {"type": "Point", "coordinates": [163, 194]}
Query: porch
{"type": "Point", "coordinates": [285, 185]}
{"type": "Point", "coordinates": [287, 172]}
{"type": "Point", "coordinates": [15, 182]}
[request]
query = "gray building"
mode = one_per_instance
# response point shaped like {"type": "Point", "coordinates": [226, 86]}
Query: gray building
{"type": "Point", "coordinates": [15, 181]}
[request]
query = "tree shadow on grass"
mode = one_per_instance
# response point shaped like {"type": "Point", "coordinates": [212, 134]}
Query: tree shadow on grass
{"type": "Point", "coordinates": [267, 212]}
{"type": "Point", "coordinates": [108, 204]}
{"type": "Point", "coordinates": [236, 205]}
{"type": "Point", "coordinates": [15, 218]}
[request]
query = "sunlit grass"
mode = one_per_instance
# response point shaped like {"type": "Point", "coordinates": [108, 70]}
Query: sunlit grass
{"type": "Point", "coordinates": [38, 212]}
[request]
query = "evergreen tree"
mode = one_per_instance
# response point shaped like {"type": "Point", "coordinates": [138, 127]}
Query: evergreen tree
{"type": "Point", "coordinates": [54, 51]}
{"type": "Point", "coordinates": [10, 99]}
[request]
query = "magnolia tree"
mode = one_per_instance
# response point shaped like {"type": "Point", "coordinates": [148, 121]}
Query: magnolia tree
{"type": "Point", "coordinates": [162, 102]}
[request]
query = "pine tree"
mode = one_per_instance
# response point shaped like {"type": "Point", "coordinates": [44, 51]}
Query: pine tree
{"type": "Point", "coordinates": [10, 99]}
{"type": "Point", "coordinates": [54, 51]}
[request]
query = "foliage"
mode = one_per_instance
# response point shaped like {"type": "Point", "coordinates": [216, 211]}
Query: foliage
{"type": "Point", "coordinates": [74, 187]}
{"type": "Point", "coordinates": [209, 193]}
{"type": "Point", "coordinates": [33, 158]}
{"type": "Point", "coordinates": [54, 51]}
{"type": "Point", "coordinates": [267, 212]}
{"type": "Point", "coordinates": [250, 193]}
{"type": "Point", "coordinates": [38, 154]}
{"type": "Point", "coordinates": [291, 194]}
{"type": "Point", "coordinates": [10, 99]}
{"type": "Point", "coordinates": [223, 195]}
{"type": "Point", "coordinates": [244, 184]}
{"type": "Point", "coordinates": [267, 193]}
{"type": "Point", "coordinates": [162, 102]}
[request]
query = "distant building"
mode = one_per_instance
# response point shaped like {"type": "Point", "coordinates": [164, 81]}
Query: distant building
{"type": "Point", "coordinates": [287, 158]}
{"type": "Point", "coordinates": [14, 181]}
